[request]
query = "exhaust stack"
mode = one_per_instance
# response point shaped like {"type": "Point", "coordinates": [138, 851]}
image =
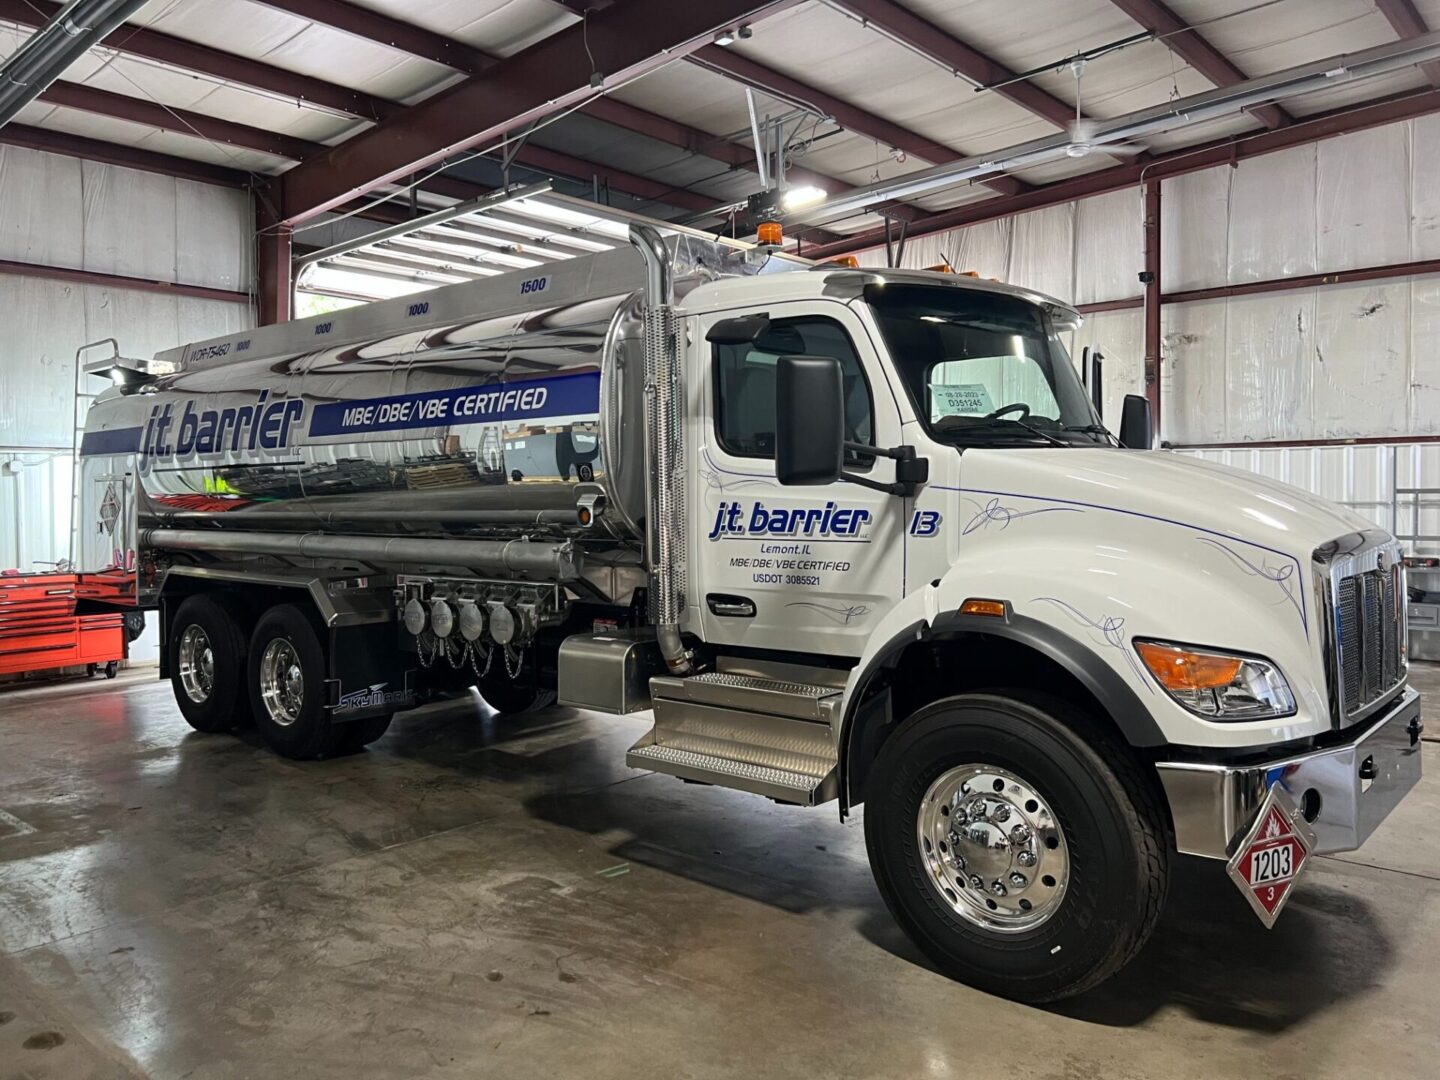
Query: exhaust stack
{"type": "Point", "coordinates": [664, 475]}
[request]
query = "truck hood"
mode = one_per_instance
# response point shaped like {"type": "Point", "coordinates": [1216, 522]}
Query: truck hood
{"type": "Point", "coordinates": [1186, 490]}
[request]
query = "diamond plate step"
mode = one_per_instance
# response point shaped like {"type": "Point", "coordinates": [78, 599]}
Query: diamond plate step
{"type": "Point", "coordinates": [750, 693]}
{"type": "Point", "coordinates": [767, 736]}
{"type": "Point", "coordinates": [778, 784]}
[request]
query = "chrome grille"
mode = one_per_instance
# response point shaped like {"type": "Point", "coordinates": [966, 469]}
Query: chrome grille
{"type": "Point", "coordinates": [1367, 608]}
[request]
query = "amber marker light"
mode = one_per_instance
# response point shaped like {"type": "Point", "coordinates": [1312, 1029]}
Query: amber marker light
{"type": "Point", "coordinates": [1181, 670]}
{"type": "Point", "coordinates": [992, 608]}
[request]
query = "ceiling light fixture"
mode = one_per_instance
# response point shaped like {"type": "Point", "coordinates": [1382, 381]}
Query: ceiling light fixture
{"type": "Point", "coordinates": [725, 37]}
{"type": "Point", "coordinates": [801, 196]}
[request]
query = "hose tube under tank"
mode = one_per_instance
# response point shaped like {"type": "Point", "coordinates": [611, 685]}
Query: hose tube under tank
{"type": "Point", "coordinates": [664, 452]}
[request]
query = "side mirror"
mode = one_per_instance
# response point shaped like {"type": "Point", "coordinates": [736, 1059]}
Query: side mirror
{"type": "Point", "coordinates": [1136, 425]}
{"type": "Point", "coordinates": [809, 420]}
{"type": "Point", "coordinates": [1096, 383]}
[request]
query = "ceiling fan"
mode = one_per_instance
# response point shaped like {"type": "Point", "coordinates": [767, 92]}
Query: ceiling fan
{"type": "Point", "coordinates": [1082, 130]}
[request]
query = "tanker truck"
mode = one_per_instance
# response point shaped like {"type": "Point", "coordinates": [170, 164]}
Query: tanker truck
{"type": "Point", "coordinates": [852, 536]}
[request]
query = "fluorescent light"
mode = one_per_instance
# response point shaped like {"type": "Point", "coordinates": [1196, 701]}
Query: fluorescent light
{"type": "Point", "coordinates": [803, 195]}
{"type": "Point", "coordinates": [725, 37]}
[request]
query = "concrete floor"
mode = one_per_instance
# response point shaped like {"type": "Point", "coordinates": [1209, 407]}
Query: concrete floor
{"type": "Point", "coordinates": [475, 898]}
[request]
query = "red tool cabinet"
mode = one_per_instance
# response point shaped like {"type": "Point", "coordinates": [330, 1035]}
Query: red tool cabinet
{"type": "Point", "coordinates": [40, 630]}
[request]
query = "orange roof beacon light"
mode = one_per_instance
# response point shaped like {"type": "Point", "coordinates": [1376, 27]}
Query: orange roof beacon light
{"type": "Point", "coordinates": [850, 262]}
{"type": "Point", "coordinates": [941, 268]}
{"type": "Point", "coordinates": [770, 233]}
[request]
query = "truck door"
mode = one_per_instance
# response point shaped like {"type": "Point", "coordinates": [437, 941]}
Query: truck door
{"type": "Point", "coordinates": [802, 569]}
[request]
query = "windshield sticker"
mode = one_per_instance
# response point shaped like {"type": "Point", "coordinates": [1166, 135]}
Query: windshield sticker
{"type": "Point", "coordinates": [966, 399]}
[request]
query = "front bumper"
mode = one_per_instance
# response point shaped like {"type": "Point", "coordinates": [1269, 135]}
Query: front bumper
{"type": "Point", "coordinates": [1356, 785]}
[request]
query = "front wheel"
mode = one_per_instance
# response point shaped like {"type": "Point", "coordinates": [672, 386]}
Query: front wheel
{"type": "Point", "coordinates": [1022, 858]}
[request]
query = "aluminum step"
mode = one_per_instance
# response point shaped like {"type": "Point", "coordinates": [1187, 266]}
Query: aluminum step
{"type": "Point", "coordinates": [745, 732]}
{"type": "Point", "coordinates": [750, 693]}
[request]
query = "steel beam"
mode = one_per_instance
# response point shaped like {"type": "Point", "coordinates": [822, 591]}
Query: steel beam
{"type": "Point", "coordinates": [1152, 283]}
{"type": "Point", "coordinates": [273, 273]}
{"type": "Point", "coordinates": [120, 281]}
{"type": "Point", "coordinates": [1407, 22]}
{"type": "Point", "coordinates": [550, 76]}
{"type": "Point", "coordinates": [1188, 44]}
{"type": "Point", "coordinates": [948, 51]}
{"type": "Point", "coordinates": [228, 67]}
{"type": "Point", "coordinates": [555, 162]}
{"type": "Point", "coordinates": [129, 157]}
{"type": "Point", "coordinates": [1177, 163]}
{"type": "Point", "coordinates": [182, 121]}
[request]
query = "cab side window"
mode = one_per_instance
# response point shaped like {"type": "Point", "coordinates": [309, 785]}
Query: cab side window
{"type": "Point", "coordinates": [745, 385]}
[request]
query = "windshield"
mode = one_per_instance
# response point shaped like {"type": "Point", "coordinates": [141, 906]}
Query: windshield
{"type": "Point", "coordinates": [983, 368]}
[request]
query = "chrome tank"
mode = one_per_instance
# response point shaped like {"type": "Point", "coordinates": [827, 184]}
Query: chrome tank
{"type": "Point", "coordinates": [275, 443]}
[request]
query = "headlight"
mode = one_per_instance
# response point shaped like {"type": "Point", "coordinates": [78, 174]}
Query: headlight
{"type": "Point", "coordinates": [1218, 685]}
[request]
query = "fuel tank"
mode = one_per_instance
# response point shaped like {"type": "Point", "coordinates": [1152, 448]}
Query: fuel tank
{"type": "Point", "coordinates": [480, 423]}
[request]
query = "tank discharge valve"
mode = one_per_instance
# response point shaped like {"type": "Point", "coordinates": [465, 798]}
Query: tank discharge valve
{"type": "Point", "coordinates": [414, 616]}
{"type": "Point", "coordinates": [502, 622]}
{"type": "Point", "coordinates": [472, 620]}
{"type": "Point", "coordinates": [442, 618]}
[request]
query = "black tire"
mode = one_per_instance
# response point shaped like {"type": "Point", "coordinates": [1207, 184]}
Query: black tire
{"type": "Point", "coordinates": [305, 730]}
{"type": "Point", "coordinates": [509, 696]}
{"type": "Point", "coordinates": [355, 735]}
{"type": "Point", "coordinates": [226, 706]}
{"type": "Point", "coordinates": [1116, 840]}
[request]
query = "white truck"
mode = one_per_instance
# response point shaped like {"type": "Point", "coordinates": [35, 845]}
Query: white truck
{"type": "Point", "coordinates": [854, 536]}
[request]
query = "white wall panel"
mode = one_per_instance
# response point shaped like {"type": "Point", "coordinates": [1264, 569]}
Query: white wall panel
{"type": "Point", "coordinates": [34, 510]}
{"type": "Point", "coordinates": [1109, 246]}
{"type": "Point", "coordinates": [129, 222]}
{"type": "Point", "coordinates": [1363, 198]}
{"type": "Point", "coordinates": [213, 236]}
{"type": "Point", "coordinates": [1361, 369]}
{"type": "Point", "coordinates": [44, 325]}
{"type": "Point", "coordinates": [1194, 375]}
{"type": "Point", "coordinates": [1119, 335]}
{"type": "Point", "coordinates": [1269, 351]}
{"type": "Point", "coordinates": [984, 248]}
{"type": "Point", "coordinates": [1042, 250]}
{"type": "Point", "coordinates": [40, 218]}
{"type": "Point", "coordinates": [1424, 416]}
{"type": "Point", "coordinates": [1425, 187]}
{"type": "Point", "coordinates": [1194, 216]}
{"type": "Point", "coordinates": [1272, 216]}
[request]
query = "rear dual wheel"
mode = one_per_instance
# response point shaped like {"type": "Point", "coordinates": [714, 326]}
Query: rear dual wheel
{"type": "Point", "coordinates": [1022, 858]}
{"type": "Point", "coordinates": [287, 674]}
{"type": "Point", "coordinates": [206, 659]}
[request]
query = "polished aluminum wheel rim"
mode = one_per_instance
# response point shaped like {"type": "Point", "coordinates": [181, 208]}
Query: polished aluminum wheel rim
{"type": "Point", "coordinates": [992, 848]}
{"type": "Point", "coordinates": [197, 664]}
{"type": "Point", "coordinates": [282, 684]}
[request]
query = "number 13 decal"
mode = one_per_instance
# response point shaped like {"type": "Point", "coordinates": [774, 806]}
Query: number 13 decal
{"type": "Point", "coordinates": [925, 523]}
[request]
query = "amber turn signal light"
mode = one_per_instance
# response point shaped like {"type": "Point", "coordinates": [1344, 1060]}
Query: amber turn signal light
{"type": "Point", "coordinates": [993, 608]}
{"type": "Point", "coordinates": [1180, 669]}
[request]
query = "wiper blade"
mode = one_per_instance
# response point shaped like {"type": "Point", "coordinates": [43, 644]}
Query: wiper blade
{"type": "Point", "coordinates": [996, 425]}
{"type": "Point", "coordinates": [1093, 429]}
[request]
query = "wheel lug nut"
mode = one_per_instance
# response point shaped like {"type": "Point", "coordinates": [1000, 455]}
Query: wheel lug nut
{"type": "Point", "coordinates": [953, 838]}
{"type": "Point", "coordinates": [1020, 833]}
{"type": "Point", "coordinates": [1019, 880]}
{"type": "Point", "coordinates": [998, 887]}
{"type": "Point", "coordinates": [1026, 858]}
{"type": "Point", "coordinates": [1002, 813]}
{"type": "Point", "coordinates": [975, 882]}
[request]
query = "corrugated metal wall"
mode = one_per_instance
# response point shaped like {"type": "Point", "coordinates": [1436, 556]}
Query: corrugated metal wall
{"type": "Point", "coordinates": [1345, 361]}
{"type": "Point", "coordinates": [60, 211]}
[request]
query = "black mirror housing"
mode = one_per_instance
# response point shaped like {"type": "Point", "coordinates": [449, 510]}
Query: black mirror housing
{"type": "Point", "coordinates": [741, 330]}
{"type": "Point", "coordinates": [809, 420]}
{"type": "Point", "coordinates": [1137, 426]}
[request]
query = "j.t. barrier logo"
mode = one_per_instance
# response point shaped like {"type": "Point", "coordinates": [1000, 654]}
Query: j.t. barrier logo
{"type": "Point", "coordinates": [828, 522]}
{"type": "Point", "coordinates": [264, 425]}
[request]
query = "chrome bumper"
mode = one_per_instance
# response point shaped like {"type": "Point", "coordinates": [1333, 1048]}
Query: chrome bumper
{"type": "Point", "coordinates": [1356, 785]}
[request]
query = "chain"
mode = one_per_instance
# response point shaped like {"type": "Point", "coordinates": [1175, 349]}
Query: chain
{"type": "Point", "coordinates": [420, 651]}
{"type": "Point", "coordinates": [489, 659]}
{"type": "Point", "coordinates": [519, 663]}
